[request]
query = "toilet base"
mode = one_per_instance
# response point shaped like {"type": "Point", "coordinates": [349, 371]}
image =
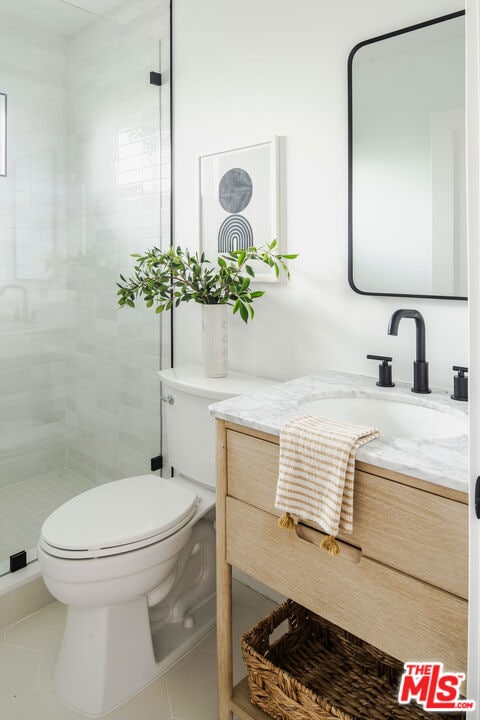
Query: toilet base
{"type": "Point", "coordinates": [131, 672]}
{"type": "Point", "coordinates": [109, 654]}
{"type": "Point", "coordinates": [95, 639]}
{"type": "Point", "coordinates": [173, 640]}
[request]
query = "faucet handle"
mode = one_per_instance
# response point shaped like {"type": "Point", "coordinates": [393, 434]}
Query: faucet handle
{"type": "Point", "coordinates": [384, 370]}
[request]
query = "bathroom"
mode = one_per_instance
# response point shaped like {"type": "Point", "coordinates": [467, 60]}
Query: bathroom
{"type": "Point", "coordinates": [250, 73]}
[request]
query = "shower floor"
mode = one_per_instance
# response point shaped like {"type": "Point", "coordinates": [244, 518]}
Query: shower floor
{"type": "Point", "coordinates": [25, 505]}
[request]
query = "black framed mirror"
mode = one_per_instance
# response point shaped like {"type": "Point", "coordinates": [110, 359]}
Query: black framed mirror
{"type": "Point", "coordinates": [406, 162]}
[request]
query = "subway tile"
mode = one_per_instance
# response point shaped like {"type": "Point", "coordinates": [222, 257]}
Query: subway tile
{"type": "Point", "coordinates": [103, 224]}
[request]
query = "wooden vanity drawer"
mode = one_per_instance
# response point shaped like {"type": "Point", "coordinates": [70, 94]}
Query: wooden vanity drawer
{"type": "Point", "coordinates": [394, 523]}
{"type": "Point", "coordinates": [395, 612]}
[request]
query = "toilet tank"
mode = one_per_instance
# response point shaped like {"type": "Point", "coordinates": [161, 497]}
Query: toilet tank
{"type": "Point", "coordinates": [189, 427]}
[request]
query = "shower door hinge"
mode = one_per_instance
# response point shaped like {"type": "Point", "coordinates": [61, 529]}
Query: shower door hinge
{"type": "Point", "coordinates": [155, 78]}
{"type": "Point", "coordinates": [156, 463]}
{"type": "Point", "coordinates": [18, 561]}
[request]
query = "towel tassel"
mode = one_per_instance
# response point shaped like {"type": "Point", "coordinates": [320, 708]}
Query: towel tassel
{"type": "Point", "coordinates": [286, 521]}
{"type": "Point", "coordinates": [330, 545]}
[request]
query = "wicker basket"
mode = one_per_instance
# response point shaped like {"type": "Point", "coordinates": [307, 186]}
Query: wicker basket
{"type": "Point", "coordinates": [317, 671]}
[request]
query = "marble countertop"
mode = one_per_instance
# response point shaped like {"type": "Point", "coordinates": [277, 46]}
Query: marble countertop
{"type": "Point", "coordinates": [442, 461]}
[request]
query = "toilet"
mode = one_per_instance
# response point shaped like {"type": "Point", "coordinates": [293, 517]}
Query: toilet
{"type": "Point", "coordinates": [134, 559]}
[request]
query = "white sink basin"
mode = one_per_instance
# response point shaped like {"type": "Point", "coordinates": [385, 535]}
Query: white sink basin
{"type": "Point", "coordinates": [393, 417]}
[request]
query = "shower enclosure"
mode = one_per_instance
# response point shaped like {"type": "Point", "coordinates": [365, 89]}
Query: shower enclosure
{"type": "Point", "coordinates": [85, 185]}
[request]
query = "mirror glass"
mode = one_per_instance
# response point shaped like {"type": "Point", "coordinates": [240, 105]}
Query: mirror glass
{"type": "Point", "coordinates": [407, 194]}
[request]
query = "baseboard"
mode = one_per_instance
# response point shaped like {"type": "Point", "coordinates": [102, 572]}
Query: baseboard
{"type": "Point", "coordinates": [21, 594]}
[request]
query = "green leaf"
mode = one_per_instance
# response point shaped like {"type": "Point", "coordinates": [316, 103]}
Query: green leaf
{"type": "Point", "coordinates": [243, 312]}
{"type": "Point", "coordinates": [166, 278]}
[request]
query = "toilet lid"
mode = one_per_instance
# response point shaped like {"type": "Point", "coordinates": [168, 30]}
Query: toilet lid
{"type": "Point", "coordinates": [119, 515]}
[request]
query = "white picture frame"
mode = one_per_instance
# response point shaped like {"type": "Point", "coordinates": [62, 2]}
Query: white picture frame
{"type": "Point", "coordinates": [238, 201]}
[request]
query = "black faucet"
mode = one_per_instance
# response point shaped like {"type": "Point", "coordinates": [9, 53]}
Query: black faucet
{"type": "Point", "coordinates": [420, 366]}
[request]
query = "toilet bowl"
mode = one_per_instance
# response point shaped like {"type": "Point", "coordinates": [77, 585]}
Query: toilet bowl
{"type": "Point", "coordinates": [109, 570]}
{"type": "Point", "coordinates": [116, 541]}
{"type": "Point", "coordinates": [134, 559]}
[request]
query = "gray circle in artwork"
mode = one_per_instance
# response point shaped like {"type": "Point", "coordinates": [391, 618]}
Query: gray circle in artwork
{"type": "Point", "coordinates": [235, 190]}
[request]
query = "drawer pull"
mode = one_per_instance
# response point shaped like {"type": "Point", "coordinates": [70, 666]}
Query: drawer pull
{"type": "Point", "coordinates": [315, 537]}
{"type": "Point", "coordinates": [477, 497]}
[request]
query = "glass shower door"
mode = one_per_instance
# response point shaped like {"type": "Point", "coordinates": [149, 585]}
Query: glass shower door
{"type": "Point", "coordinates": [79, 393]}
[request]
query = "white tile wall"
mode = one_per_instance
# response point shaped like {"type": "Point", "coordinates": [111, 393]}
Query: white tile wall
{"type": "Point", "coordinates": [32, 226]}
{"type": "Point", "coordinates": [86, 187]}
{"type": "Point", "coordinates": [114, 209]}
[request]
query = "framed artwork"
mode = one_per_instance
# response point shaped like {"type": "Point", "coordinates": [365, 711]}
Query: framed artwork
{"type": "Point", "coordinates": [239, 201]}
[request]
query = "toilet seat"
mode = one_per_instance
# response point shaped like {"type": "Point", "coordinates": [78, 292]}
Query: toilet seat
{"type": "Point", "coordinates": [117, 517]}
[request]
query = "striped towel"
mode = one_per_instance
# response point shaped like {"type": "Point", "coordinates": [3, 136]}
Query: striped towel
{"type": "Point", "coordinates": [316, 472]}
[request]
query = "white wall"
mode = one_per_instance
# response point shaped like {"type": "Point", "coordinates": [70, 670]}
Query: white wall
{"type": "Point", "coordinates": [473, 187]}
{"type": "Point", "coordinates": [243, 73]}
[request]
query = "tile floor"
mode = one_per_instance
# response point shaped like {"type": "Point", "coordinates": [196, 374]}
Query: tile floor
{"type": "Point", "coordinates": [25, 505]}
{"type": "Point", "coordinates": [186, 692]}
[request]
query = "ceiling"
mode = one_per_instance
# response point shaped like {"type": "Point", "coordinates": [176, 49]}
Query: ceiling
{"type": "Point", "coordinates": [99, 7]}
{"type": "Point", "coordinates": [51, 15]}
{"type": "Point", "coordinates": [65, 17]}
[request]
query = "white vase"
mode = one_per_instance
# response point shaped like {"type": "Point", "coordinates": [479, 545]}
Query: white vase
{"type": "Point", "coordinates": [215, 340]}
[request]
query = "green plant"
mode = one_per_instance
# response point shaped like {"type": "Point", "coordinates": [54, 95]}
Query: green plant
{"type": "Point", "coordinates": [173, 276]}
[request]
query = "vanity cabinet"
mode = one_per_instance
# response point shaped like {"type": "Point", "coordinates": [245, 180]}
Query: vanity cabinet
{"type": "Point", "coordinates": [399, 582]}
